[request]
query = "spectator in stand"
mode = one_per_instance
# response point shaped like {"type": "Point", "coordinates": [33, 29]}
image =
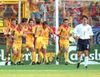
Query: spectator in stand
{"type": "Point", "coordinates": [85, 9]}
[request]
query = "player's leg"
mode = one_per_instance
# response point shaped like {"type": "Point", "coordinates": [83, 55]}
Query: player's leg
{"type": "Point", "coordinates": [30, 45]}
{"type": "Point", "coordinates": [79, 58]}
{"type": "Point", "coordinates": [79, 52]}
{"type": "Point", "coordinates": [33, 54]}
{"type": "Point", "coordinates": [14, 55]}
{"type": "Point", "coordinates": [41, 55]}
{"type": "Point", "coordinates": [7, 49]}
{"type": "Point", "coordinates": [22, 53]}
{"type": "Point", "coordinates": [66, 46]}
{"type": "Point", "coordinates": [19, 53]}
{"type": "Point", "coordinates": [86, 50]}
{"type": "Point", "coordinates": [45, 55]}
{"type": "Point", "coordinates": [66, 55]}
{"type": "Point", "coordinates": [86, 58]}
{"type": "Point", "coordinates": [44, 50]}
{"type": "Point", "coordinates": [61, 47]}
{"type": "Point", "coordinates": [39, 47]}
{"type": "Point", "coordinates": [23, 49]}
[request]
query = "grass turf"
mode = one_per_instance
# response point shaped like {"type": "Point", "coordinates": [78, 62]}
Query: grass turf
{"type": "Point", "coordinates": [49, 71]}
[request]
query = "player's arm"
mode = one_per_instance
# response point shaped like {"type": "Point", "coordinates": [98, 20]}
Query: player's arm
{"type": "Point", "coordinates": [52, 33]}
{"type": "Point", "coordinates": [7, 32]}
{"type": "Point", "coordinates": [14, 11]}
{"type": "Point", "coordinates": [59, 31]}
{"type": "Point", "coordinates": [34, 30]}
{"type": "Point", "coordinates": [51, 30]}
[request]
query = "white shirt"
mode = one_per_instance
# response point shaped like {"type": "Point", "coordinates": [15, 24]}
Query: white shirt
{"type": "Point", "coordinates": [83, 31]}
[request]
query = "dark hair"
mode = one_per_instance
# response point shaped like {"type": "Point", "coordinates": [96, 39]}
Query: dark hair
{"type": "Point", "coordinates": [30, 20]}
{"type": "Point", "coordinates": [65, 19]}
{"type": "Point", "coordinates": [84, 17]}
{"type": "Point", "coordinates": [37, 21]}
{"type": "Point", "coordinates": [13, 19]}
{"type": "Point", "coordinates": [45, 23]}
{"type": "Point", "coordinates": [24, 20]}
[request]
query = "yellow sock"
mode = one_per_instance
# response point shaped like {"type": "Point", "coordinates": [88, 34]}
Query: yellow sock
{"type": "Point", "coordinates": [33, 56]}
{"type": "Point", "coordinates": [7, 54]}
{"type": "Point", "coordinates": [6, 59]}
{"type": "Point", "coordinates": [21, 57]}
{"type": "Point", "coordinates": [13, 58]}
{"type": "Point", "coordinates": [66, 56]}
{"type": "Point", "coordinates": [46, 58]}
{"type": "Point", "coordinates": [39, 59]}
{"type": "Point", "coordinates": [41, 54]}
{"type": "Point", "coordinates": [18, 57]}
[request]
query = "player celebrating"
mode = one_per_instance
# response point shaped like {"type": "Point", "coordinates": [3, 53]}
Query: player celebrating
{"type": "Point", "coordinates": [24, 26]}
{"type": "Point", "coordinates": [17, 45]}
{"type": "Point", "coordinates": [63, 33]}
{"type": "Point", "coordinates": [37, 31]}
{"type": "Point", "coordinates": [84, 36]}
{"type": "Point", "coordinates": [9, 33]}
{"type": "Point", "coordinates": [46, 30]}
{"type": "Point", "coordinates": [29, 38]}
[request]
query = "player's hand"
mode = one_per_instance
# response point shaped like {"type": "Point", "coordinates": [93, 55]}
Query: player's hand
{"type": "Point", "coordinates": [12, 7]}
{"type": "Point", "coordinates": [76, 38]}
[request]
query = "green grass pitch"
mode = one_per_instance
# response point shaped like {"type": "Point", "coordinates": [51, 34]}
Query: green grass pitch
{"type": "Point", "coordinates": [49, 71]}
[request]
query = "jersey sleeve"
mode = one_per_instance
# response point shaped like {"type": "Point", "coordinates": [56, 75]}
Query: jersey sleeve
{"type": "Point", "coordinates": [90, 31]}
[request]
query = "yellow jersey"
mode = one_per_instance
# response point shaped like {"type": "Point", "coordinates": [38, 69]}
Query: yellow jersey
{"type": "Point", "coordinates": [46, 32]}
{"type": "Point", "coordinates": [37, 30]}
{"type": "Point", "coordinates": [18, 36]}
{"type": "Point", "coordinates": [63, 32]}
{"type": "Point", "coordinates": [29, 35]}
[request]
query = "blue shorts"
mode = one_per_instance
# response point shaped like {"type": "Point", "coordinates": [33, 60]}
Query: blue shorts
{"type": "Point", "coordinates": [83, 45]}
{"type": "Point", "coordinates": [23, 40]}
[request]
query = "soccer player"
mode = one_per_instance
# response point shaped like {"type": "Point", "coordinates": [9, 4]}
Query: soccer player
{"type": "Point", "coordinates": [46, 31]}
{"type": "Point", "coordinates": [30, 38]}
{"type": "Point", "coordinates": [24, 26]}
{"type": "Point", "coordinates": [17, 45]}
{"type": "Point", "coordinates": [84, 36]}
{"type": "Point", "coordinates": [64, 33]}
{"type": "Point", "coordinates": [9, 33]}
{"type": "Point", "coordinates": [37, 31]}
